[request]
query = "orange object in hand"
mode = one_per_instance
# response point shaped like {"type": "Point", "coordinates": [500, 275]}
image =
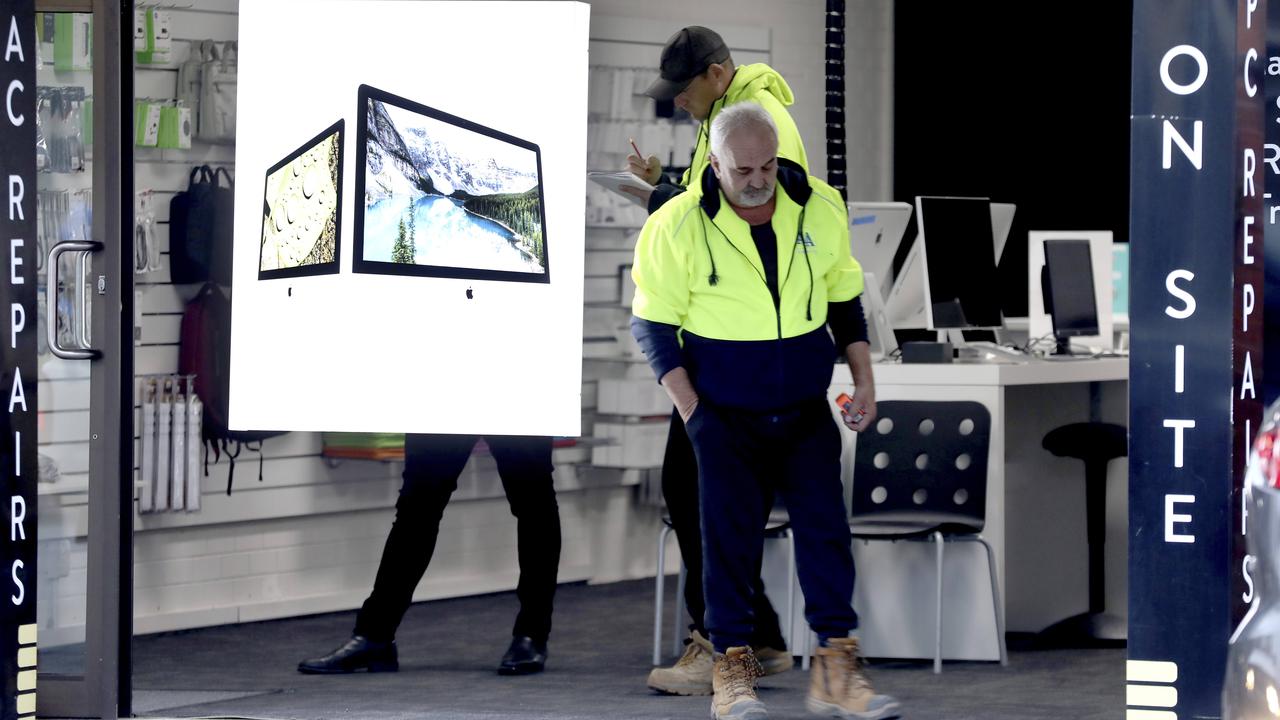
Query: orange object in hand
{"type": "Point", "coordinates": [845, 403]}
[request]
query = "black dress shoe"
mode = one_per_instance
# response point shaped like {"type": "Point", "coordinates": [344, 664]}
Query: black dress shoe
{"type": "Point", "coordinates": [358, 653]}
{"type": "Point", "coordinates": [524, 657]}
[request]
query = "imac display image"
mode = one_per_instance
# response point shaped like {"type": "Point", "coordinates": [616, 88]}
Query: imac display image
{"type": "Point", "coordinates": [302, 209]}
{"type": "Point", "coordinates": [441, 196]}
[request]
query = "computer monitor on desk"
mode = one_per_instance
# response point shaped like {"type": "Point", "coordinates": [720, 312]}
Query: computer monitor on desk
{"type": "Point", "coordinates": [1040, 325]}
{"type": "Point", "coordinates": [962, 252]}
{"type": "Point", "coordinates": [959, 263]}
{"type": "Point", "coordinates": [1067, 283]}
{"type": "Point", "coordinates": [875, 232]}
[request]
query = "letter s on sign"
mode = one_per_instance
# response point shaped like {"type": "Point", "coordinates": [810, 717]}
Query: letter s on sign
{"type": "Point", "coordinates": [1189, 300]}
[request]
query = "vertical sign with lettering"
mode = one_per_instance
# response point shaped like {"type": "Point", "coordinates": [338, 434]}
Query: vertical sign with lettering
{"type": "Point", "coordinates": [1195, 210]}
{"type": "Point", "coordinates": [18, 361]}
{"type": "Point", "coordinates": [1247, 315]}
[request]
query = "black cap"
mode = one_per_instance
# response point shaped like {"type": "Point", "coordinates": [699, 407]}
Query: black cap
{"type": "Point", "coordinates": [687, 55]}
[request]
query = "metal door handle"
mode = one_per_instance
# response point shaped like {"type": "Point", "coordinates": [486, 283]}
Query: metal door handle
{"type": "Point", "coordinates": [51, 300]}
{"type": "Point", "coordinates": [82, 302]}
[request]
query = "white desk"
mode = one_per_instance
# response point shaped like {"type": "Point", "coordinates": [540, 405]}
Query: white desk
{"type": "Point", "coordinates": [1035, 510]}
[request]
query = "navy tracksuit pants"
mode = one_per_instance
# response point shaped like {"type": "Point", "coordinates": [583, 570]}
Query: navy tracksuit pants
{"type": "Point", "coordinates": [744, 459]}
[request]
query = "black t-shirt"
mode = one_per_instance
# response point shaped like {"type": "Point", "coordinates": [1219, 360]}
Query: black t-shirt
{"type": "Point", "coordinates": [767, 245]}
{"type": "Point", "coordinates": [846, 319]}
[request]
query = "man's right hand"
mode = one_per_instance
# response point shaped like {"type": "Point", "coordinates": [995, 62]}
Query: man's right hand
{"type": "Point", "coordinates": [686, 411]}
{"type": "Point", "coordinates": [649, 170]}
{"type": "Point", "coordinates": [679, 388]}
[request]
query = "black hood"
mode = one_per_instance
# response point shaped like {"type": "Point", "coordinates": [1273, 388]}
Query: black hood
{"type": "Point", "coordinates": [791, 177]}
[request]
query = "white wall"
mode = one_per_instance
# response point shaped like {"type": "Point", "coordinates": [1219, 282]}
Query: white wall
{"type": "Point", "coordinates": [307, 539]}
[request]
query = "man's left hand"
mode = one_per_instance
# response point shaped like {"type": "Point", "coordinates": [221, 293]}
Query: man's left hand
{"type": "Point", "coordinates": [864, 410]}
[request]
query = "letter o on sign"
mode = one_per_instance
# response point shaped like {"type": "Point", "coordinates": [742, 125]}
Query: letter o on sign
{"type": "Point", "coordinates": [1202, 69]}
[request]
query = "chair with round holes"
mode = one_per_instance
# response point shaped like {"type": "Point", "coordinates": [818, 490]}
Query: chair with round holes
{"type": "Point", "coordinates": [1096, 444]}
{"type": "Point", "coordinates": [920, 474]}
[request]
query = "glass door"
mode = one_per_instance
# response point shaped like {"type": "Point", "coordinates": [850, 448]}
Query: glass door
{"type": "Point", "coordinates": [84, 163]}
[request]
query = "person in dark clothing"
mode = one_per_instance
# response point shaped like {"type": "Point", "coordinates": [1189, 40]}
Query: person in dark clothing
{"type": "Point", "coordinates": [432, 466]}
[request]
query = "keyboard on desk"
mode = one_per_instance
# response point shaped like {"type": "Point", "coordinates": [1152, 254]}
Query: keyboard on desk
{"type": "Point", "coordinates": [1068, 358]}
{"type": "Point", "coordinates": [988, 352]}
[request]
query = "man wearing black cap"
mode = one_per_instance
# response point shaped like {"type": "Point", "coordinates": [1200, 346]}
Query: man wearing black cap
{"type": "Point", "coordinates": [698, 74]}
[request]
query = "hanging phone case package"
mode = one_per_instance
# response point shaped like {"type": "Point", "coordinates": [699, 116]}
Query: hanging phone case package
{"type": "Point", "coordinates": [164, 420]}
{"type": "Point", "coordinates": [147, 461]}
{"type": "Point", "coordinates": [146, 124]}
{"type": "Point", "coordinates": [178, 453]}
{"type": "Point", "coordinates": [45, 26]}
{"type": "Point", "coordinates": [175, 128]}
{"type": "Point", "coordinates": [157, 43]}
{"type": "Point", "coordinates": [139, 30]}
{"type": "Point", "coordinates": [195, 415]}
{"type": "Point", "coordinates": [72, 41]}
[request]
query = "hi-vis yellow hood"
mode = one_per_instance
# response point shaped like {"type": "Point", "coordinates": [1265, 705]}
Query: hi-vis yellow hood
{"type": "Point", "coordinates": [751, 80]}
{"type": "Point", "coordinates": [761, 84]}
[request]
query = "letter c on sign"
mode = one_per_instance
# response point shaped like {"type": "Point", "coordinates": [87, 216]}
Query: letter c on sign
{"type": "Point", "coordinates": [1202, 69]}
{"type": "Point", "coordinates": [1250, 57]}
{"type": "Point", "coordinates": [17, 120]}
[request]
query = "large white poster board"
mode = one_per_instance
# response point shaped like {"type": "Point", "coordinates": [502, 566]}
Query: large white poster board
{"type": "Point", "coordinates": [409, 217]}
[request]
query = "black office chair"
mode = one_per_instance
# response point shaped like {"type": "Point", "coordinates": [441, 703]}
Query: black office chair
{"type": "Point", "coordinates": [920, 474]}
{"type": "Point", "coordinates": [1097, 444]}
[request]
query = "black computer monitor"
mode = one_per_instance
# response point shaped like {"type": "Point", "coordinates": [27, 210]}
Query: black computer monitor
{"type": "Point", "coordinates": [962, 289]}
{"type": "Point", "coordinates": [1067, 284]}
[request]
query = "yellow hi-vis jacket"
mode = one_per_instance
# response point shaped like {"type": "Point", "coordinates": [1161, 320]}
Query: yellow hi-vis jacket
{"type": "Point", "coordinates": [696, 267]}
{"type": "Point", "coordinates": [756, 83]}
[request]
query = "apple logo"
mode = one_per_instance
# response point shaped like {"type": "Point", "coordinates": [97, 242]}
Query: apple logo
{"type": "Point", "coordinates": [470, 296]}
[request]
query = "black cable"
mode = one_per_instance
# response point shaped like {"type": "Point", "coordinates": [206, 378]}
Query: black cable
{"type": "Point", "coordinates": [834, 50]}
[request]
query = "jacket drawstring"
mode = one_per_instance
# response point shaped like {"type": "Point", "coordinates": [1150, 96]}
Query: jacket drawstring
{"type": "Point", "coordinates": [713, 278]}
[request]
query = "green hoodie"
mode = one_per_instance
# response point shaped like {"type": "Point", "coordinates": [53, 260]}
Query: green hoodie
{"type": "Point", "coordinates": [760, 83]}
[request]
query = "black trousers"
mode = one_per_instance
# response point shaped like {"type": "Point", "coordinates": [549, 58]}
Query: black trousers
{"type": "Point", "coordinates": [745, 460]}
{"type": "Point", "coordinates": [432, 466]}
{"type": "Point", "coordinates": [680, 490]}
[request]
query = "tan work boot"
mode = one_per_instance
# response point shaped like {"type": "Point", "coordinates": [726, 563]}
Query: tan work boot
{"type": "Point", "coordinates": [691, 675]}
{"type": "Point", "coordinates": [772, 660]}
{"type": "Point", "coordinates": [838, 687]}
{"type": "Point", "coordinates": [733, 682]}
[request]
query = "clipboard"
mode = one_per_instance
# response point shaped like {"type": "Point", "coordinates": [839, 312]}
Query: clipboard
{"type": "Point", "coordinates": [615, 181]}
